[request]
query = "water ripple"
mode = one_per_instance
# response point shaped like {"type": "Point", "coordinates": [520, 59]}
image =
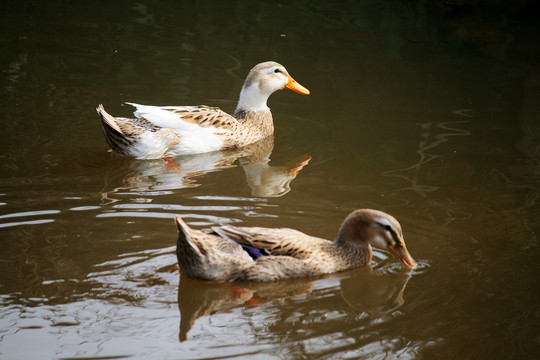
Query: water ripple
{"type": "Point", "coordinates": [160, 215]}
{"type": "Point", "coordinates": [30, 213]}
{"type": "Point", "coordinates": [145, 214]}
{"type": "Point", "coordinates": [31, 222]}
{"type": "Point", "coordinates": [26, 214]}
{"type": "Point", "coordinates": [181, 207]}
{"type": "Point", "coordinates": [229, 198]}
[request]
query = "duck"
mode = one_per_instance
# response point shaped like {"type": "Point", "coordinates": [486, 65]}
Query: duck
{"type": "Point", "coordinates": [169, 131]}
{"type": "Point", "coordinates": [256, 254]}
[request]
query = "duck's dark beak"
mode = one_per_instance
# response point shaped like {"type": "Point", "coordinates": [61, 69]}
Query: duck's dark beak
{"type": "Point", "coordinates": [401, 252]}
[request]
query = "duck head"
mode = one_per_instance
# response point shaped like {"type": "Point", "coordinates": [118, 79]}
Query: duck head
{"type": "Point", "coordinates": [367, 227]}
{"type": "Point", "coordinates": [262, 81]}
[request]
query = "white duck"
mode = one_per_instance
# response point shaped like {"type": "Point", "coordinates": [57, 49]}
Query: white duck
{"type": "Point", "coordinates": [161, 131]}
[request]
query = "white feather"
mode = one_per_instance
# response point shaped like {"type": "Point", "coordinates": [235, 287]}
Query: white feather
{"type": "Point", "coordinates": [195, 139]}
{"type": "Point", "coordinates": [149, 147]}
{"type": "Point", "coordinates": [251, 99]}
{"type": "Point", "coordinates": [159, 116]}
{"type": "Point", "coordinates": [384, 222]}
{"type": "Point", "coordinates": [198, 140]}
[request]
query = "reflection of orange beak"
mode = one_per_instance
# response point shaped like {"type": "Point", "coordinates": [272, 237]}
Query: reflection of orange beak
{"type": "Point", "coordinates": [294, 86]}
{"type": "Point", "coordinates": [403, 255]}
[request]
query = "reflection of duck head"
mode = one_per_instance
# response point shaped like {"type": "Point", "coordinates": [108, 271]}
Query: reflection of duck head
{"type": "Point", "coordinates": [199, 298]}
{"type": "Point", "coordinates": [272, 181]}
{"type": "Point", "coordinates": [180, 172]}
{"type": "Point", "coordinates": [374, 292]}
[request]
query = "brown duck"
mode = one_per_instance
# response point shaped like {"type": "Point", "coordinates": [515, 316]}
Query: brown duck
{"type": "Point", "coordinates": [230, 253]}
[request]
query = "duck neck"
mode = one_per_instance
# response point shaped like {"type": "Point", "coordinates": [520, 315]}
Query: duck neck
{"type": "Point", "coordinates": [343, 242]}
{"type": "Point", "coordinates": [350, 238]}
{"type": "Point", "coordinates": [251, 99]}
{"type": "Point", "coordinates": [254, 115]}
{"type": "Point", "coordinates": [352, 255]}
{"type": "Point", "coordinates": [259, 123]}
{"type": "Point", "coordinates": [349, 231]}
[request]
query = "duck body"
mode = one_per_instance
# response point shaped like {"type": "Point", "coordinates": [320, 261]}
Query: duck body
{"type": "Point", "coordinates": [217, 254]}
{"type": "Point", "coordinates": [160, 131]}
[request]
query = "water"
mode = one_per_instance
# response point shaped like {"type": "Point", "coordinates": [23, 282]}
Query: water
{"type": "Point", "coordinates": [424, 110]}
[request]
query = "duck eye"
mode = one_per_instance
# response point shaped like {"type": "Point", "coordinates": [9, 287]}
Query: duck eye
{"type": "Point", "coordinates": [277, 71]}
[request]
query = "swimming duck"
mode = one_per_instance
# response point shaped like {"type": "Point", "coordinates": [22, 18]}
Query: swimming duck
{"type": "Point", "coordinates": [161, 131]}
{"type": "Point", "coordinates": [230, 253]}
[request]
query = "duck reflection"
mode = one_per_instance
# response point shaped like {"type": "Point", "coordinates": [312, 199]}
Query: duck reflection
{"type": "Point", "coordinates": [264, 179]}
{"type": "Point", "coordinates": [374, 293]}
{"type": "Point", "coordinates": [198, 298]}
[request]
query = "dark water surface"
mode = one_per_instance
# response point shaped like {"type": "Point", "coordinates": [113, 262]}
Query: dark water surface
{"type": "Point", "coordinates": [427, 110]}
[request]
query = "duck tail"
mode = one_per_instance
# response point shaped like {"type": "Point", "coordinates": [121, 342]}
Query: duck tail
{"type": "Point", "coordinates": [108, 119]}
{"type": "Point", "coordinates": [183, 228]}
{"type": "Point", "coordinates": [185, 245]}
{"type": "Point", "coordinates": [115, 137]}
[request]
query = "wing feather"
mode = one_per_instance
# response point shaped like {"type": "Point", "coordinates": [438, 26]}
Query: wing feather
{"type": "Point", "coordinates": [185, 117]}
{"type": "Point", "coordinates": [281, 241]}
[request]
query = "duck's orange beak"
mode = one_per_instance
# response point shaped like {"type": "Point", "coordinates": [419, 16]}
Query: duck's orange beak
{"type": "Point", "coordinates": [296, 87]}
{"type": "Point", "coordinates": [403, 255]}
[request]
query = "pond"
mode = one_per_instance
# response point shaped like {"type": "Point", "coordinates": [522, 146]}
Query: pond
{"type": "Point", "coordinates": [428, 111]}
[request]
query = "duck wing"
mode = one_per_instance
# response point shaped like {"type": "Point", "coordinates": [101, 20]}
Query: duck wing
{"type": "Point", "coordinates": [185, 118]}
{"type": "Point", "coordinates": [278, 241]}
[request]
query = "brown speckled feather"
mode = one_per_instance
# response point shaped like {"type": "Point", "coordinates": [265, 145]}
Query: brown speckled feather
{"type": "Point", "coordinates": [204, 116]}
{"type": "Point", "coordinates": [208, 257]}
{"type": "Point", "coordinates": [311, 254]}
{"type": "Point", "coordinates": [290, 253]}
{"type": "Point", "coordinates": [281, 241]}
